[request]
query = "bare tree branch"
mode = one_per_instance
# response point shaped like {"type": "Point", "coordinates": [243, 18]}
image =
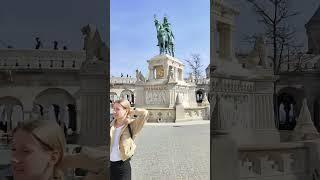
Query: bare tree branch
{"type": "Point", "coordinates": [195, 65]}
{"type": "Point", "coordinates": [274, 15]}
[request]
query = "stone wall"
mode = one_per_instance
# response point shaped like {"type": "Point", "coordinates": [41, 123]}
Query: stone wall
{"type": "Point", "coordinates": [169, 114]}
{"type": "Point", "coordinates": [285, 161]}
{"type": "Point", "coordinates": [40, 59]}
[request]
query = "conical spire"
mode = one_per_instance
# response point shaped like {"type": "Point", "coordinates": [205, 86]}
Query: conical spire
{"type": "Point", "coordinates": [305, 128]}
{"type": "Point", "coordinates": [205, 99]}
{"type": "Point", "coordinates": [315, 18]}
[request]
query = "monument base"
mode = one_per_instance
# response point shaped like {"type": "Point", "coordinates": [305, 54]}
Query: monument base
{"type": "Point", "coordinates": [168, 115]}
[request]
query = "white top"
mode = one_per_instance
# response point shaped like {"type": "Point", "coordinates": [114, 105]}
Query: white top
{"type": "Point", "coordinates": [115, 152]}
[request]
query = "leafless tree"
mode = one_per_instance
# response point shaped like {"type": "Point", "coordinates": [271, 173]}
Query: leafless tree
{"type": "Point", "coordinates": [195, 65]}
{"type": "Point", "coordinates": [275, 15]}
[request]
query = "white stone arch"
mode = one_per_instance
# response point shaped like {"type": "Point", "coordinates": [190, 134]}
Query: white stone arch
{"type": "Point", "coordinates": [8, 120]}
{"type": "Point", "coordinates": [128, 94]}
{"type": "Point", "coordinates": [289, 103]}
{"type": "Point", "coordinates": [59, 105]}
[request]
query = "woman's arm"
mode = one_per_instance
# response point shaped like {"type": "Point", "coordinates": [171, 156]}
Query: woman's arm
{"type": "Point", "coordinates": [91, 159]}
{"type": "Point", "coordinates": [139, 116]}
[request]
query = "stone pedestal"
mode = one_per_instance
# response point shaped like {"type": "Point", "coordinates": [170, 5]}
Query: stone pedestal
{"type": "Point", "coordinates": [140, 96]}
{"type": "Point", "coordinates": [224, 157]}
{"type": "Point", "coordinates": [164, 84]}
{"type": "Point", "coordinates": [93, 104]}
{"type": "Point", "coordinates": [179, 110]}
{"type": "Point", "coordinates": [246, 103]}
{"type": "Point", "coordinates": [158, 94]}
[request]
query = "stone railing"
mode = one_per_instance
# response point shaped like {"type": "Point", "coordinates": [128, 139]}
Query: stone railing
{"type": "Point", "coordinates": [285, 161]}
{"type": "Point", "coordinates": [231, 85]}
{"type": "Point", "coordinates": [122, 80]}
{"type": "Point", "coordinates": [199, 113]}
{"type": "Point", "coordinates": [15, 59]}
{"type": "Point", "coordinates": [169, 114]}
{"type": "Point", "coordinates": [161, 114]}
{"type": "Point", "coordinates": [203, 81]}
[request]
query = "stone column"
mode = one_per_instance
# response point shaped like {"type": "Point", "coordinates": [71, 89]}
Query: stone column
{"type": "Point", "coordinates": [222, 41]}
{"type": "Point", "coordinates": [27, 107]}
{"type": "Point", "coordinates": [182, 74]}
{"type": "Point", "coordinates": [165, 70]}
{"type": "Point", "coordinates": [263, 113]}
{"type": "Point", "coordinates": [179, 109]}
{"type": "Point", "coordinates": [140, 95]}
{"type": "Point", "coordinates": [176, 74]}
{"type": "Point", "coordinates": [151, 72]}
{"type": "Point", "coordinates": [93, 103]}
{"type": "Point", "coordinates": [226, 41]}
{"type": "Point", "coordinates": [224, 156]}
{"type": "Point", "coordinates": [231, 30]}
{"type": "Point", "coordinates": [78, 113]}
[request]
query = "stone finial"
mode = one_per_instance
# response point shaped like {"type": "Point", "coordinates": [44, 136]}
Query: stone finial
{"type": "Point", "coordinates": [178, 100]}
{"type": "Point", "coordinates": [205, 100]}
{"type": "Point", "coordinates": [305, 128]}
{"type": "Point", "coordinates": [93, 44]}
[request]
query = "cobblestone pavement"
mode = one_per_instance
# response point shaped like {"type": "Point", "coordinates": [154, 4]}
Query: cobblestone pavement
{"type": "Point", "coordinates": [172, 152]}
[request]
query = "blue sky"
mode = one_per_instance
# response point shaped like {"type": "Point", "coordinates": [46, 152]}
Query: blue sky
{"type": "Point", "coordinates": [133, 35]}
{"type": "Point", "coordinates": [246, 23]}
{"type": "Point", "coordinates": [59, 20]}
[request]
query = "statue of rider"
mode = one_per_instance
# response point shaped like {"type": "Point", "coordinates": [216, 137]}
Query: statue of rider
{"type": "Point", "coordinates": [167, 27]}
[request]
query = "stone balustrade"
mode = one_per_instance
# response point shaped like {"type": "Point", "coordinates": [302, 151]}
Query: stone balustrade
{"type": "Point", "coordinates": [203, 81]}
{"type": "Point", "coordinates": [169, 114]}
{"type": "Point", "coordinates": [161, 114]}
{"type": "Point", "coordinates": [232, 85]}
{"type": "Point", "coordinates": [22, 59]}
{"type": "Point", "coordinates": [122, 80]}
{"type": "Point", "coordinates": [200, 113]}
{"type": "Point", "coordinates": [285, 161]}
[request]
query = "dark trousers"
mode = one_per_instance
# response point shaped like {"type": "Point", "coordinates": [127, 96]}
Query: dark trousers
{"type": "Point", "coordinates": [120, 170]}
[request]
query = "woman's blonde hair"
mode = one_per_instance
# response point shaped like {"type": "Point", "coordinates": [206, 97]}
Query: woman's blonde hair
{"type": "Point", "coordinates": [51, 138]}
{"type": "Point", "coordinates": [125, 104]}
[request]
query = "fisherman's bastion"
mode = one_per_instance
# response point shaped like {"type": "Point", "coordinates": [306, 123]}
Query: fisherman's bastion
{"type": "Point", "coordinates": [60, 85]}
{"type": "Point", "coordinates": [247, 140]}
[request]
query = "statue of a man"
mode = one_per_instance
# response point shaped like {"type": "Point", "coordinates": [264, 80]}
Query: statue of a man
{"type": "Point", "coordinates": [165, 36]}
{"type": "Point", "coordinates": [38, 43]}
{"type": "Point", "coordinates": [167, 27]}
{"type": "Point", "coordinates": [170, 73]}
{"type": "Point", "coordinates": [161, 35]}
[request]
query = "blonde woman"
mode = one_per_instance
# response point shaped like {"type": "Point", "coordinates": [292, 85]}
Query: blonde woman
{"type": "Point", "coordinates": [37, 151]}
{"type": "Point", "coordinates": [123, 130]}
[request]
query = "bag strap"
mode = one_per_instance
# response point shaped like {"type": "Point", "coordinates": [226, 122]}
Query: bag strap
{"type": "Point", "coordinates": [130, 131]}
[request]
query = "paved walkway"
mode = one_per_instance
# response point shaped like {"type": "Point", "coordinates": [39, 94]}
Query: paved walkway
{"type": "Point", "coordinates": [173, 151]}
